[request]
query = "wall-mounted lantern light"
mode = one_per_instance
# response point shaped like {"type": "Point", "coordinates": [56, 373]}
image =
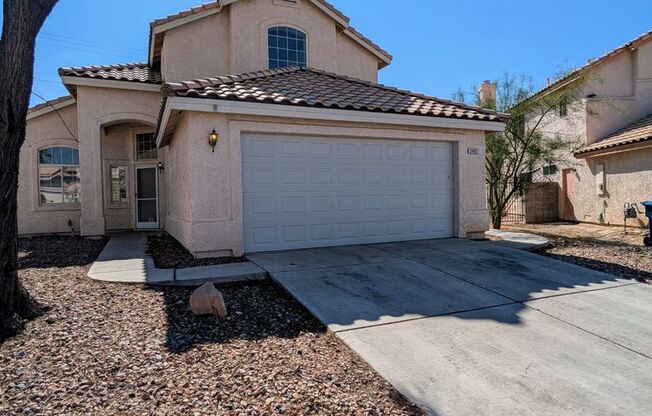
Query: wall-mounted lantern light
{"type": "Point", "coordinates": [212, 139]}
{"type": "Point", "coordinates": [161, 166]}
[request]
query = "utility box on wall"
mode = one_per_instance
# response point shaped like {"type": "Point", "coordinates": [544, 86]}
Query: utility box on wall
{"type": "Point", "coordinates": [600, 179]}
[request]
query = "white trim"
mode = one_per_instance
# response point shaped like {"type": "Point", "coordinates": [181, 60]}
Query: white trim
{"type": "Point", "coordinates": [312, 113]}
{"type": "Point", "coordinates": [50, 108]}
{"type": "Point", "coordinates": [105, 83]}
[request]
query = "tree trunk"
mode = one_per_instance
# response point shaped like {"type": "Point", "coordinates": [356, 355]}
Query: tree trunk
{"type": "Point", "coordinates": [22, 21]}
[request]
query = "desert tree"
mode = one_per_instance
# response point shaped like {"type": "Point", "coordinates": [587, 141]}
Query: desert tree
{"type": "Point", "coordinates": [533, 136]}
{"type": "Point", "coordinates": [22, 20]}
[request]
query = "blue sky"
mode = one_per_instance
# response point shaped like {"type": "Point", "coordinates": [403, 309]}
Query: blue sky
{"type": "Point", "coordinates": [437, 45]}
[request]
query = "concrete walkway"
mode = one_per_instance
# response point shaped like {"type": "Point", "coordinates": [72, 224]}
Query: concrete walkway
{"type": "Point", "coordinates": [125, 260]}
{"type": "Point", "coordinates": [519, 240]}
{"type": "Point", "coordinates": [468, 328]}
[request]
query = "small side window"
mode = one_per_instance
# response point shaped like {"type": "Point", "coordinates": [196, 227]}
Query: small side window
{"type": "Point", "coordinates": [563, 108]}
{"type": "Point", "coordinates": [119, 185]}
{"type": "Point", "coordinates": [550, 170]}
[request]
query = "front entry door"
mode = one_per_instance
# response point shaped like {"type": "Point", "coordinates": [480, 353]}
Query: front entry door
{"type": "Point", "coordinates": [146, 197]}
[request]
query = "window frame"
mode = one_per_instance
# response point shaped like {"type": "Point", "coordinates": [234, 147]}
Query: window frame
{"type": "Point", "coordinates": [268, 46]}
{"type": "Point", "coordinates": [63, 204]}
{"type": "Point", "coordinates": [563, 108]}
{"type": "Point", "coordinates": [550, 169]}
{"type": "Point", "coordinates": [143, 133]}
{"type": "Point", "coordinates": [126, 200]}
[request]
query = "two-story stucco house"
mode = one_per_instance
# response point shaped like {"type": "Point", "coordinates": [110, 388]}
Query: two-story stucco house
{"type": "Point", "coordinates": [298, 147]}
{"type": "Point", "coordinates": [613, 124]}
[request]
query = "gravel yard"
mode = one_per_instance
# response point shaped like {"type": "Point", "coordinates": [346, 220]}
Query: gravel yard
{"type": "Point", "coordinates": [606, 249]}
{"type": "Point", "coordinates": [129, 349]}
{"type": "Point", "coordinates": [168, 253]}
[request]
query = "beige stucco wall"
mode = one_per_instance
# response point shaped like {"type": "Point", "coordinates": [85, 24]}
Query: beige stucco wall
{"type": "Point", "coordinates": [622, 89]}
{"type": "Point", "coordinates": [99, 108]}
{"type": "Point", "coordinates": [628, 178]}
{"type": "Point", "coordinates": [34, 218]}
{"type": "Point", "coordinates": [212, 222]}
{"type": "Point", "coordinates": [198, 50]}
{"type": "Point", "coordinates": [235, 41]}
{"type": "Point", "coordinates": [118, 149]}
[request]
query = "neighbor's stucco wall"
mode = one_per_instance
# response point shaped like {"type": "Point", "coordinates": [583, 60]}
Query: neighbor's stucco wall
{"type": "Point", "coordinates": [34, 218]}
{"type": "Point", "coordinates": [212, 222]}
{"type": "Point", "coordinates": [617, 93]}
{"type": "Point", "coordinates": [235, 41]}
{"type": "Point", "coordinates": [628, 178]}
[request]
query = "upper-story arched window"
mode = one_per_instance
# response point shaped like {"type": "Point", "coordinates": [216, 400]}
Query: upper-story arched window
{"type": "Point", "coordinates": [286, 47]}
{"type": "Point", "coordinates": [58, 173]}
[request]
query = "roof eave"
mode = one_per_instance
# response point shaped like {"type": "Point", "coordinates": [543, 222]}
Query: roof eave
{"type": "Point", "coordinates": [615, 148]}
{"type": "Point", "coordinates": [219, 106]}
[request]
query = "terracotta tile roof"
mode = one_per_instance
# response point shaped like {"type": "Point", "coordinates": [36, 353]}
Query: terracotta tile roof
{"type": "Point", "coordinates": [138, 72]}
{"type": "Point", "coordinates": [639, 131]}
{"type": "Point", "coordinates": [156, 43]}
{"type": "Point", "coordinates": [186, 13]}
{"type": "Point", "coordinates": [592, 64]}
{"type": "Point", "coordinates": [315, 88]}
{"type": "Point", "coordinates": [49, 103]}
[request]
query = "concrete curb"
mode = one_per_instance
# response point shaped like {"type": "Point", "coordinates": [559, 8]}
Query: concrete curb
{"type": "Point", "coordinates": [125, 260]}
{"type": "Point", "coordinates": [521, 241]}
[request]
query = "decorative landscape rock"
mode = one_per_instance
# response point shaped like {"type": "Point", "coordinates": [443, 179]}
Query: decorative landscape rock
{"type": "Point", "coordinates": [207, 300]}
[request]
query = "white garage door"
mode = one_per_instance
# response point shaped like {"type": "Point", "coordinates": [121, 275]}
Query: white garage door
{"type": "Point", "coordinates": [304, 192]}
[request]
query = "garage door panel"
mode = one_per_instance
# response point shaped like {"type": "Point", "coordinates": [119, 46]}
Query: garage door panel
{"type": "Point", "coordinates": [309, 192]}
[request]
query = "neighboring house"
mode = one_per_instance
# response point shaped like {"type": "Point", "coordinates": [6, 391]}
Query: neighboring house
{"type": "Point", "coordinates": [308, 150]}
{"type": "Point", "coordinates": [612, 126]}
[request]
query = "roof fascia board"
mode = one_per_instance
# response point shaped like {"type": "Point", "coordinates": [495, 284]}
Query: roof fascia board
{"type": "Point", "coordinates": [103, 83]}
{"type": "Point", "coordinates": [156, 30]}
{"type": "Point", "coordinates": [321, 6]}
{"type": "Point", "coordinates": [50, 108]}
{"type": "Point", "coordinates": [614, 149]}
{"type": "Point", "coordinates": [386, 59]}
{"type": "Point", "coordinates": [312, 113]}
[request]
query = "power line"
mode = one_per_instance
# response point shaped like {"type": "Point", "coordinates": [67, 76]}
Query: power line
{"type": "Point", "coordinates": [75, 40]}
{"type": "Point", "coordinates": [96, 51]}
{"type": "Point", "coordinates": [58, 114]}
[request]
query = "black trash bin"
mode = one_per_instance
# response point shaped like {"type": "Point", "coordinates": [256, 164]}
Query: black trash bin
{"type": "Point", "coordinates": [648, 213]}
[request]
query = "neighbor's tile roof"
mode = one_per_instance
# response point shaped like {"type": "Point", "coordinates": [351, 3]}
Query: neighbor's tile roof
{"type": "Point", "coordinates": [639, 131]}
{"type": "Point", "coordinates": [315, 88]}
{"type": "Point", "coordinates": [138, 72]}
{"type": "Point", "coordinates": [592, 64]}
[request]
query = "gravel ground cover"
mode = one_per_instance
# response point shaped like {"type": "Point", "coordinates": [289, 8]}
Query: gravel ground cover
{"type": "Point", "coordinates": [168, 253]}
{"type": "Point", "coordinates": [606, 249]}
{"type": "Point", "coordinates": [621, 259]}
{"type": "Point", "coordinates": [109, 349]}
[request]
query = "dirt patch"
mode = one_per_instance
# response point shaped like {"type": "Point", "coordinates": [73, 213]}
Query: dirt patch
{"type": "Point", "coordinates": [130, 349]}
{"type": "Point", "coordinates": [168, 253]}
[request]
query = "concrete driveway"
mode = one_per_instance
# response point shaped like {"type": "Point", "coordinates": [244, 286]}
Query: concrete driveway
{"type": "Point", "coordinates": [476, 328]}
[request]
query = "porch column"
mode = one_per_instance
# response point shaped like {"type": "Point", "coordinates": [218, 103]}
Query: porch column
{"type": "Point", "coordinates": [90, 158]}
